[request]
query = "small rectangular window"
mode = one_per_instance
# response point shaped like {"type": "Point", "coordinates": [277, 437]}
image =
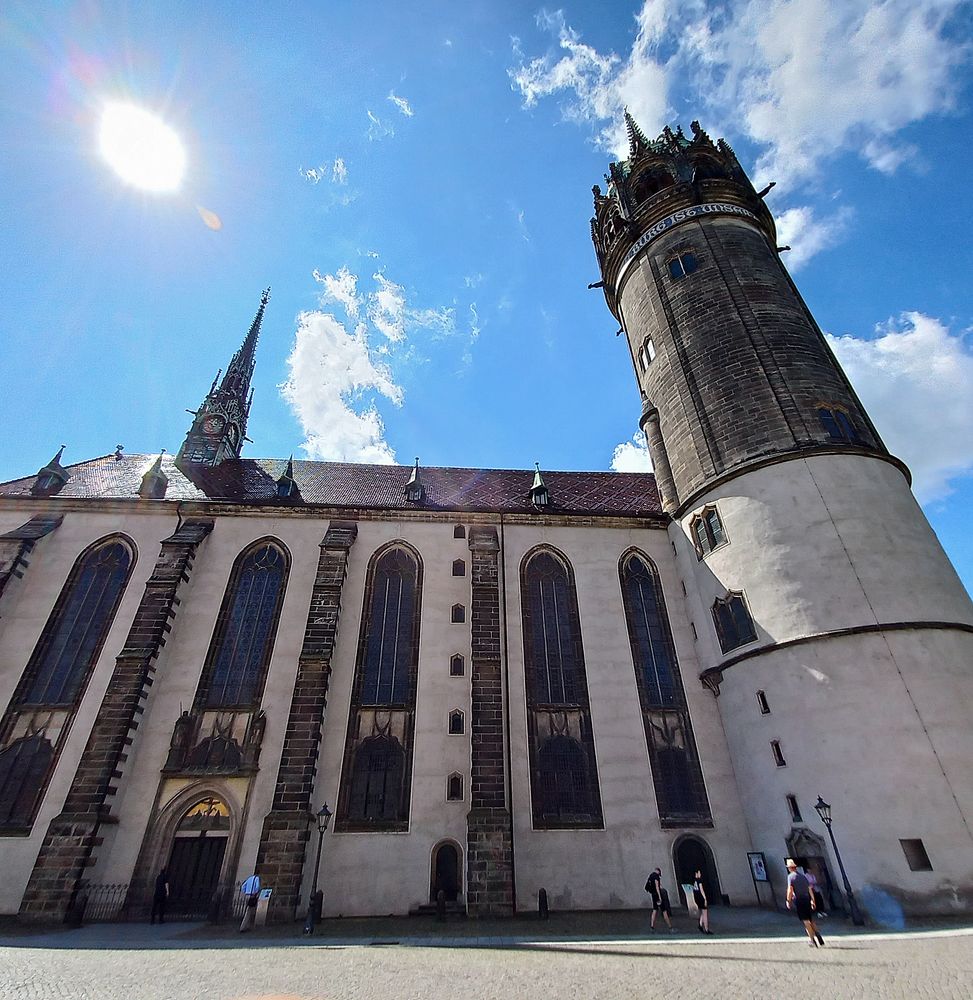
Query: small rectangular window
{"type": "Point", "coordinates": [459, 567]}
{"type": "Point", "coordinates": [683, 264]}
{"type": "Point", "coordinates": [778, 754]}
{"type": "Point", "coordinates": [915, 854]}
{"type": "Point", "coordinates": [459, 531]}
{"type": "Point", "coordinates": [763, 703]}
{"type": "Point", "coordinates": [795, 809]}
{"type": "Point", "coordinates": [457, 614]}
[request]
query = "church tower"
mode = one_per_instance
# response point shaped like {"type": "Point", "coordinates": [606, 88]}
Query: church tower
{"type": "Point", "coordinates": [220, 424]}
{"type": "Point", "coordinates": [829, 621]}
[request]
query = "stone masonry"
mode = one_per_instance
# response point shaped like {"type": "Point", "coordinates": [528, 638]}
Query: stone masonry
{"type": "Point", "coordinates": [286, 829]}
{"type": "Point", "coordinates": [15, 545]}
{"type": "Point", "coordinates": [489, 853]}
{"type": "Point", "coordinates": [72, 837]}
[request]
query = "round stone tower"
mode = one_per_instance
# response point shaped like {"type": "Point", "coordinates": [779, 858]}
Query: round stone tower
{"type": "Point", "coordinates": [829, 621]}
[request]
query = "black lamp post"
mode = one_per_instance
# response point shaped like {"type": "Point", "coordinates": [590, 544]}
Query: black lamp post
{"type": "Point", "coordinates": [823, 809]}
{"type": "Point", "coordinates": [322, 817]}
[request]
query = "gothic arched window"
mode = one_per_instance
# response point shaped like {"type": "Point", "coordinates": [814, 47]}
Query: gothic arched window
{"type": "Point", "coordinates": [74, 633]}
{"type": "Point", "coordinates": [564, 785]}
{"type": "Point", "coordinates": [377, 770]}
{"type": "Point", "coordinates": [734, 626]}
{"type": "Point", "coordinates": [388, 647]}
{"type": "Point", "coordinates": [54, 681]}
{"type": "Point", "coordinates": [246, 628]}
{"type": "Point", "coordinates": [676, 773]}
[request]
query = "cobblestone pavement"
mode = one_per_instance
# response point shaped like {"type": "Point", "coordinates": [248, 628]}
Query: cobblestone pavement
{"type": "Point", "coordinates": [135, 962]}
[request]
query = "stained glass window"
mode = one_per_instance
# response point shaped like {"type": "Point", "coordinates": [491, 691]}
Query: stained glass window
{"type": "Point", "coordinates": [676, 773]}
{"type": "Point", "coordinates": [24, 766]}
{"type": "Point", "coordinates": [389, 631]}
{"type": "Point", "coordinates": [77, 627]}
{"type": "Point", "coordinates": [246, 628]}
{"type": "Point", "coordinates": [376, 781]}
{"type": "Point", "coordinates": [564, 775]}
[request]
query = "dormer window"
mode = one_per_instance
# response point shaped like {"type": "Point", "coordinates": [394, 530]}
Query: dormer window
{"type": "Point", "coordinates": [414, 490]}
{"type": "Point", "coordinates": [539, 495]}
{"type": "Point", "coordinates": [682, 264]}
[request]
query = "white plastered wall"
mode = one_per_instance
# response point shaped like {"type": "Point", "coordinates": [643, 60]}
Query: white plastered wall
{"type": "Point", "coordinates": [879, 723]}
{"type": "Point", "coordinates": [601, 869]}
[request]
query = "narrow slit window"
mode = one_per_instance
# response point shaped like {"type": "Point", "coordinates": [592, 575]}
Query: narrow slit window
{"type": "Point", "coordinates": [457, 666]}
{"type": "Point", "coordinates": [763, 703]}
{"type": "Point", "coordinates": [459, 567]}
{"type": "Point", "coordinates": [457, 724]}
{"type": "Point", "coordinates": [778, 753]}
{"type": "Point", "coordinates": [794, 809]}
{"type": "Point", "coordinates": [454, 788]}
{"type": "Point", "coordinates": [457, 614]}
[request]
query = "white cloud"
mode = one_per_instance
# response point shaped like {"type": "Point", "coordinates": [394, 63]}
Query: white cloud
{"type": "Point", "coordinates": [402, 104]}
{"type": "Point", "coordinates": [473, 280]}
{"type": "Point", "coordinates": [339, 172]}
{"type": "Point", "coordinates": [441, 321]}
{"type": "Point", "coordinates": [313, 174]}
{"type": "Point", "coordinates": [813, 78]}
{"type": "Point", "coordinates": [806, 234]}
{"type": "Point", "coordinates": [632, 456]}
{"type": "Point", "coordinates": [916, 381]}
{"type": "Point", "coordinates": [341, 288]}
{"type": "Point", "coordinates": [329, 370]}
{"type": "Point", "coordinates": [386, 308]}
{"type": "Point", "coordinates": [377, 129]}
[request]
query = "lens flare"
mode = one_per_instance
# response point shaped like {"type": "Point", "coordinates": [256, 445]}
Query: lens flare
{"type": "Point", "coordinates": [141, 148]}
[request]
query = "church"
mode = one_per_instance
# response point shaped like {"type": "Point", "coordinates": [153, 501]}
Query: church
{"type": "Point", "coordinates": [504, 681]}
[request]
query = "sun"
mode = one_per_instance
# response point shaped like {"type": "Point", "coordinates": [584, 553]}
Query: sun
{"type": "Point", "coordinates": [141, 148]}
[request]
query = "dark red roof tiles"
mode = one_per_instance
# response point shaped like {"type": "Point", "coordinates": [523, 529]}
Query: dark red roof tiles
{"type": "Point", "coordinates": [335, 484]}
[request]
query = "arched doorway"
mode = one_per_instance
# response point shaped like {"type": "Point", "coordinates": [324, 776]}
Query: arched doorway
{"type": "Point", "coordinates": [808, 850]}
{"type": "Point", "coordinates": [196, 858]}
{"type": "Point", "coordinates": [445, 872]}
{"type": "Point", "coordinates": [692, 854]}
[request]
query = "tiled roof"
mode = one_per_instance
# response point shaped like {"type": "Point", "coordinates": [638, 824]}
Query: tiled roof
{"type": "Point", "coordinates": [335, 484]}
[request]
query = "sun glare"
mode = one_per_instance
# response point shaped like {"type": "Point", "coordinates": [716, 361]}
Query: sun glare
{"type": "Point", "coordinates": [141, 148]}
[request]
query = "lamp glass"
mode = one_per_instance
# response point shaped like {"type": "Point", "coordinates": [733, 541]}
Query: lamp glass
{"type": "Point", "coordinates": [823, 809]}
{"type": "Point", "coordinates": [324, 817]}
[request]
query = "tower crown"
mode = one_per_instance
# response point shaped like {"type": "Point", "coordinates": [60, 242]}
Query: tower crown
{"type": "Point", "coordinates": [732, 369]}
{"type": "Point", "coordinates": [663, 182]}
{"type": "Point", "coordinates": [220, 425]}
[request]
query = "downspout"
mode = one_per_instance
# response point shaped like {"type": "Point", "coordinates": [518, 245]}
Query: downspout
{"type": "Point", "coordinates": [506, 710]}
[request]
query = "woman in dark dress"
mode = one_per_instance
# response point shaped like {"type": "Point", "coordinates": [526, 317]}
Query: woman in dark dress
{"type": "Point", "coordinates": [699, 897]}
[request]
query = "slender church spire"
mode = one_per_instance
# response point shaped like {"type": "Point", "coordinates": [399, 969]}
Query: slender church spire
{"type": "Point", "coordinates": [220, 424]}
{"type": "Point", "coordinates": [637, 141]}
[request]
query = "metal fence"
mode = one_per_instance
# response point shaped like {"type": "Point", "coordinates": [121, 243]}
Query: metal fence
{"type": "Point", "coordinates": [106, 902]}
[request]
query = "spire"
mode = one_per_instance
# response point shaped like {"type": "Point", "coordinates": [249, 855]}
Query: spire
{"type": "Point", "coordinates": [415, 492]}
{"type": "Point", "coordinates": [637, 141]}
{"type": "Point", "coordinates": [539, 494]}
{"type": "Point", "coordinates": [220, 425]}
{"type": "Point", "coordinates": [240, 370]}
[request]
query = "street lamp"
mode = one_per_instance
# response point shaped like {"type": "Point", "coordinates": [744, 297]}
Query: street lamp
{"type": "Point", "coordinates": [322, 817]}
{"type": "Point", "coordinates": [823, 809]}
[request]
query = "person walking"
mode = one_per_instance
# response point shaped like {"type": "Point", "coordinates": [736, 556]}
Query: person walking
{"type": "Point", "coordinates": [160, 897]}
{"type": "Point", "coordinates": [251, 890]}
{"type": "Point", "coordinates": [801, 900]}
{"type": "Point", "coordinates": [702, 903]}
{"type": "Point", "coordinates": [660, 899]}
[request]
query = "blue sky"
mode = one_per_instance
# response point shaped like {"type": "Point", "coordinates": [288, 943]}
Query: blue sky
{"type": "Point", "coordinates": [414, 183]}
